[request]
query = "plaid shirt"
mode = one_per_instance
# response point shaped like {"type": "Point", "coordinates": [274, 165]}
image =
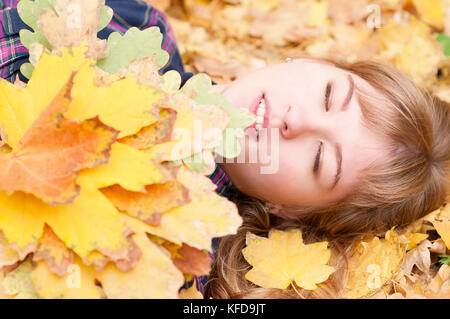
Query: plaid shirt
{"type": "Point", "coordinates": [127, 14]}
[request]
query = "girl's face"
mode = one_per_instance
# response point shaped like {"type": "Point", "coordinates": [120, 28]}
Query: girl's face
{"type": "Point", "coordinates": [315, 136]}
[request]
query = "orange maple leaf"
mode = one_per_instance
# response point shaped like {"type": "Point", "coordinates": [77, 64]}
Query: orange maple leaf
{"type": "Point", "coordinates": [193, 261]}
{"type": "Point", "coordinates": [47, 158]}
{"type": "Point", "coordinates": [148, 206]}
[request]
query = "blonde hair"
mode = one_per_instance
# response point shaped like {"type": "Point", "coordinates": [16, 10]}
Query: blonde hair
{"type": "Point", "coordinates": [410, 184]}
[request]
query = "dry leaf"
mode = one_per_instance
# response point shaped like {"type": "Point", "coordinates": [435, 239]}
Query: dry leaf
{"type": "Point", "coordinates": [191, 292]}
{"type": "Point", "coordinates": [283, 259]}
{"type": "Point", "coordinates": [54, 252]}
{"type": "Point", "coordinates": [53, 149]}
{"type": "Point", "coordinates": [373, 264]}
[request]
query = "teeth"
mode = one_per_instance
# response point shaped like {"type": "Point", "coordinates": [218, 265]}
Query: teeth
{"type": "Point", "coordinates": [260, 119]}
{"type": "Point", "coordinates": [260, 112]}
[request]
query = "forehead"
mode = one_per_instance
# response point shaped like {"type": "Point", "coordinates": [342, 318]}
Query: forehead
{"type": "Point", "coordinates": [330, 69]}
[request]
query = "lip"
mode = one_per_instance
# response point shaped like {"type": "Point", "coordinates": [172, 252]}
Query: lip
{"type": "Point", "coordinates": [254, 107]}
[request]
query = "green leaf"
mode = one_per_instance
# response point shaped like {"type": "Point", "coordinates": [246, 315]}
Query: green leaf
{"type": "Point", "coordinates": [444, 40]}
{"type": "Point", "coordinates": [29, 12]}
{"type": "Point", "coordinates": [105, 17]}
{"type": "Point", "coordinates": [27, 38]}
{"type": "Point", "coordinates": [444, 259]}
{"type": "Point", "coordinates": [201, 85]}
{"type": "Point", "coordinates": [171, 81]}
{"type": "Point", "coordinates": [133, 45]}
{"type": "Point", "coordinates": [239, 118]}
{"type": "Point", "coordinates": [174, 163]}
{"type": "Point", "coordinates": [27, 69]}
{"type": "Point", "coordinates": [195, 162]}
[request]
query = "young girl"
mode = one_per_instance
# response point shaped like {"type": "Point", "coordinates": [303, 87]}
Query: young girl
{"type": "Point", "coordinates": [360, 149]}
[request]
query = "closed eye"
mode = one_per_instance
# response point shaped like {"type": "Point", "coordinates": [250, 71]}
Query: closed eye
{"type": "Point", "coordinates": [317, 159]}
{"type": "Point", "coordinates": [327, 96]}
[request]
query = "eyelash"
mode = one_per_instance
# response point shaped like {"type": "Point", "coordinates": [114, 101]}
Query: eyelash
{"type": "Point", "coordinates": [327, 104]}
{"type": "Point", "coordinates": [327, 96]}
{"type": "Point", "coordinates": [316, 162]}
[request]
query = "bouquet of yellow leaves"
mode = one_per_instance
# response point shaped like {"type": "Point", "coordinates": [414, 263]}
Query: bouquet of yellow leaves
{"type": "Point", "coordinates": [100, 193]}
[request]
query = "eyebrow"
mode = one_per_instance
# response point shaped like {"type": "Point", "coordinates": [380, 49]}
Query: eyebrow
{"type": "Point", "coordinates": [338, 153]}
{"type": "Point", "coordinates": [349, 93]}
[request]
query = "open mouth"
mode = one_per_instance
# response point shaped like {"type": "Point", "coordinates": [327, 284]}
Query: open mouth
{"type": "Point", "coordinates": [261, 109]}
{"type": "Point", "coordinates": [260, 113]}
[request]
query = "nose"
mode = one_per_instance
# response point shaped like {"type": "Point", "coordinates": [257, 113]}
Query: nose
{"type": "Point", "coordinates": [296, 122]}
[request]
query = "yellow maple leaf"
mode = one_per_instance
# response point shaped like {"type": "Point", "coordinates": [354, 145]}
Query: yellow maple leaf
{"type": "Point", "coordinates": [442, 224]}
{"type": "Point", "coordinates": [282, 259]}
{"type": "Point", "coordinates": [51, 152]}
{"type": "Point", "coordinates": [19, 108]}
{"type": "Point", "coordinates": [128, 167]}
{"type": "Point", "coordinates": [411, 240]}
{"type": "Point", "coordinates": [318, 14]}
{"type": "Point", "coordinates": [77, 283]}
{"type": "Point", "coordinates": [420, 59]}
{"type": "Point", "coordinates": [431, 11]}
{"type": "Point", "coordinates": [90, 222]}
{"type": "Point", "coordinates": [124, 105]}
{"type": "Point", "coordinates": [18, 284]}
{"type": "Point", "coordinates": [153, 267]}
{"type": "Point", "coordinates": [430, 217]}
{"type": "Point", "coordinates": [373, 264]}
{"type": "Point", "coordinates": [191, 293]}
{"type": "Point", "coordinates": [412, 48]}
{"type": "Point", "coordinates": [206, 216]}
{"type": "Point", "coordinates": [8, 255]}
{"type": "Point", "coordinates": [394, 36]}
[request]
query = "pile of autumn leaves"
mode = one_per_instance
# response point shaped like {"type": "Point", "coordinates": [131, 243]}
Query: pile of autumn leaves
{"type": "Point", "coordinates": [97, 197]}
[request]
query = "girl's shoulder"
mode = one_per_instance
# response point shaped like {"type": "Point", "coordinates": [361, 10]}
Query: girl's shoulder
{"type": "Point", "coordinates": [222, 181]}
